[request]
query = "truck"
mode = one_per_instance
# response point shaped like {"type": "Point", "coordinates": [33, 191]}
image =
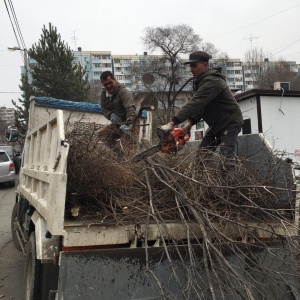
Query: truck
{"type": "Point", "coordinates": [195, 256]}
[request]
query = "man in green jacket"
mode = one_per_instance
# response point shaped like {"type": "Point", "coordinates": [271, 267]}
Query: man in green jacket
{"type": "Point", "coordinates": [214, 103]}
{"type": "Point", "coordinates": [117, 102]}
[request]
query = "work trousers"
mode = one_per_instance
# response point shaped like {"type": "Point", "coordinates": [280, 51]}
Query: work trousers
{"type": "Point", "coordinates": [225, 141]}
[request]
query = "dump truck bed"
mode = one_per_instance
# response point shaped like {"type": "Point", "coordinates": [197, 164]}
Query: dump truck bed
{"type": "Point", "coordinates": [203, 254]}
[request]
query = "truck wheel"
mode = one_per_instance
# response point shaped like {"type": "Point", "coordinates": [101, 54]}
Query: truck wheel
{"type": "Point", "coordinates": [33, 270]}
{"type": "Point", "coordinates": [14, 227]}
{"type": "Point", "coordinates": [39, 278]}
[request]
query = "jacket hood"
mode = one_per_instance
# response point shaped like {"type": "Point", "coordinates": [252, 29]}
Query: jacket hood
{"type": "Point", "coordinates": [210, 72]}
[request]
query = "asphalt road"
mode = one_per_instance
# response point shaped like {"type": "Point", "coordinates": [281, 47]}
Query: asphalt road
{"type": "Point", "coordinates": [11, 260]}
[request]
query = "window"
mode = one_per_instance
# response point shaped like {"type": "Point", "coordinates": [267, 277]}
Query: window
{"type": "Point", "coordinates": [97, 73]}
{"type": "Point", "coordinates": [198, 135]}
{"type": "Point", "coordinates": [200, 125]}
{"type": "Point", "coordinates": [3, 157]}
{"type": "Point", "coordinates": [96, 56]}
{"type": "Point", "coordinates": [106, 65]}
{"type": "Point", "coordinates": [105, 56]}
{"type": "Point", "coordinates": [97, 65]}
{"type": "Point", "coordinates": [246, 129]}
{"type": "Point", "coordinates": [117, 61]}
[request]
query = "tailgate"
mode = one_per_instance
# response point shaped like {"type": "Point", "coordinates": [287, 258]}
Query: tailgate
{"type": "Point", "coordinates": [137, 274]}
{"type": "Point", "coordinates": [120, 274]}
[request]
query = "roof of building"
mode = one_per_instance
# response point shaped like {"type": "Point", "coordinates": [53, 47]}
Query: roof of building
{"type": "Point", "coordinates": [260, 92]}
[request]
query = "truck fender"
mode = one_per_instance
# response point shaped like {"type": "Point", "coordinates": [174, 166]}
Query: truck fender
{"type": "Point", "coordinates": [46, 248]}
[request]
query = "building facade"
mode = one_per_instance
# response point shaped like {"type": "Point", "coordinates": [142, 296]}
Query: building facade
{"type": "Point", "coordinates": [7, 116]}
{"type": "Point", "coordinates": [241, 76]}
{"type": "Point", "coordinates": [275, 114]}
{"type": "Point", "coordinates": [7, 119]}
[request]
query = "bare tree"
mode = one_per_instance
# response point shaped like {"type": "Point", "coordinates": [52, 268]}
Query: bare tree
{"type": "Point", "coordinates": [278, 71]}
{"type": "Point", "coordinates": [95, 91]}
{"type": "Point", "coordinates": [255, 65]}
{"type": "Point", "coordinates": [209, 48]}
{"type": "Point", "coordinates": [167, 70]}
{"type": "Point", "coordinates": [265, 71]}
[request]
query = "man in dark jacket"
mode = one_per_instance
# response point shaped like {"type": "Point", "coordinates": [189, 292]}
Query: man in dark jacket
{"type": "Point", "coordinates": [116, 102]}
{"type": "Point", "coordinates": [213, 102]}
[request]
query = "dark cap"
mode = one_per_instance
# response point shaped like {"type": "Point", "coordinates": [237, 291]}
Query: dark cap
{"type": "Point", "coordinates": [198, 56]}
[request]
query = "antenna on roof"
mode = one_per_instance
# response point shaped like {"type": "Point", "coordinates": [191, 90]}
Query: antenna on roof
{"type": "Point", "coordinates": [74, 38]}
{"type": "Point", "coordinates": [251, 38]}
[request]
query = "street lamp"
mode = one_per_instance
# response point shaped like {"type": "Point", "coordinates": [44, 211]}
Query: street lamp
{"type": "Point", "coordinates": [24, 55]}
{"type": "Point", "coordinates": [15, 48]}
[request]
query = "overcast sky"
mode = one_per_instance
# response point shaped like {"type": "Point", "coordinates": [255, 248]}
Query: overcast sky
{"type": "Point", "coordinates": [233, 26]}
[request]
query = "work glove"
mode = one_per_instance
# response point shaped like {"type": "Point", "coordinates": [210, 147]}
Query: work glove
{"type": "Point", "coordinates": [126, 128]}
{"type": "Point", "coordinates": [187, 127]}
{"type": "Point", "coordinates": [167, 127]}
{"type": "Point", "coordinates": [114, 118]}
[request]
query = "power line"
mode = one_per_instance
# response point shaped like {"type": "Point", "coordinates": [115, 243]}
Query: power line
{"type": "Point", "coordinates": [17, 24]}
{"type": "Point", "coordinates": [13, 27]}
{"type": "Point", "coordinates": [9, 66]}
{"type": "Point", "coordinates": [254, 22]}
{"type": "Point", "coordinates": [286, 47]}
{"type": "Point", "coordinates": [17, 31]}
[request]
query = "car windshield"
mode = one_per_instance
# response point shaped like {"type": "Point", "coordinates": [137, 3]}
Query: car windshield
{"type": "Point", "coordinates": [3, 157]}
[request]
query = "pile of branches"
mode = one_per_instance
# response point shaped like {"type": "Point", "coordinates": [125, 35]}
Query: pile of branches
{"type": "Point", "coordinates": [228, 206]}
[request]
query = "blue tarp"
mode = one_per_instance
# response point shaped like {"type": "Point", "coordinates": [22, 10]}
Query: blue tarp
{"type": "Point", "coordinates": [72, 105]}
{"type": "Point", "coordinates": [65, 104]}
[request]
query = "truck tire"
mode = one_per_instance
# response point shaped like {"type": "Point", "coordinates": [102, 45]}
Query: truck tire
{"type": "Point", "coordinates": [33, 271]}
{"type": "Point", "coordinates": [39, 278]}
{"type": "Point", "coordinates": [14, 227]}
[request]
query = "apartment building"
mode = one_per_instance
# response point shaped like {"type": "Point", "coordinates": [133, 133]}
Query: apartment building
{"type": "Point", "coordinates": [95, 62]}
{"type": "Point", "coordinates": [241, 76]}
{"type": "Point", "coordinates": [244, 76]}
{"type": "Point", "coordinates": [127, 69]}
{"type": "Point", "coordinates": [7, 116]}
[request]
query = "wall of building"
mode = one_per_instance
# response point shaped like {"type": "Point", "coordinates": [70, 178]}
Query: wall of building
{"type": "Point", "coordinates": [280, 121]}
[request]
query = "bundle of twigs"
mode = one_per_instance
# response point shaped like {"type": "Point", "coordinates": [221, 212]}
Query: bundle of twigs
{"type": "Point", "coordinates": [229, 207]}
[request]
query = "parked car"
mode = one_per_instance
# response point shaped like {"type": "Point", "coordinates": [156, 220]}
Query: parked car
{"type": "Point", "coordinates": [14, 155]}
{"type": "Point", "coordinates": [7, 169]}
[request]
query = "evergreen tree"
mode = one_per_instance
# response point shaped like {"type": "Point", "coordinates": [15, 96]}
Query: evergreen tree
{"type": "Point", "coordinates": [55, 74]}
{"type": "Point", "coordinates": [21, 111]}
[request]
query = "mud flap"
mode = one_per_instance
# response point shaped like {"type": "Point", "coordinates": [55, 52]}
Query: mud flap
{"type": "Point", "coordinates": [120, 274]}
